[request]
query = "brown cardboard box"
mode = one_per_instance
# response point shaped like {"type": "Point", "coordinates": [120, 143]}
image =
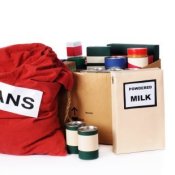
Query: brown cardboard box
{"type": "Point", "coordinates": [137, 110]}
{"type": "Point", "coordinates": [91, 96]}
{"type": "Point", "coordinates": [91, 101]}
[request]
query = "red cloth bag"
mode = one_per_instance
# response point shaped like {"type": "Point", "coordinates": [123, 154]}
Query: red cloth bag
{"type": "Point", "coordinates": [30, 78]}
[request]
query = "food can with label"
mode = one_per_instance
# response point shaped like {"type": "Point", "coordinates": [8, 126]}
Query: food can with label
{"type": "Point", "coordinates": [72, 136]}
{"type": "Point", "coordinates": [116, 62]}
{"type": "Point", "coordinates": [88, 142]}
{"type": "Point", "coordinates": [137, 57]}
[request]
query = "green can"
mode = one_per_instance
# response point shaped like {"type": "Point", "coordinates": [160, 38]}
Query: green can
{"type": "Point", "coordinates": [79, 61]}
{"type": "Point", "coordinates": [72, 136]}
{"type": "Point", "coordinates": [88, 142]}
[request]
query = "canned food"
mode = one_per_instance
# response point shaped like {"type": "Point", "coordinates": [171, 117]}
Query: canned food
{"type": "Point", "coordinates": [116, 62]}
{"type": "Point", "coordinates": [72, 136]}
{"type": "Point", "coordinates": [88, 142]}
{"type": "Point", "coordinates": [137, 57]}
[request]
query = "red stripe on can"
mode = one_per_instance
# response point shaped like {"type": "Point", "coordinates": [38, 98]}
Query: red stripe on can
{"type": "Point", "coordinates": [74, 51]}
{"type": "Point", "coordinates": [132, 66]}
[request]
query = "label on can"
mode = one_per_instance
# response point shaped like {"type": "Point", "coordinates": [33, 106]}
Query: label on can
{"type": "Point", "coordinates": [137, 62]}
{"type": "Point", "coordinates": [88, 143]}
{"type": "Point", "coordinates": [71, 137]}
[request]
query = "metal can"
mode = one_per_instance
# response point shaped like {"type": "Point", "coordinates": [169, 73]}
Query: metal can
{"type": "Point", "coordinates": [116, 62]}
{"type": "Point", "coordinates": [80, 61]}
{"type": "Point", "coordinates": [74, 49]}
{"type": "Point", "coordinates": [72, 136]}
{"type": "Point", "coordinates": [137, 57]}
{"type": "Point", "coordinates": [88, 142]}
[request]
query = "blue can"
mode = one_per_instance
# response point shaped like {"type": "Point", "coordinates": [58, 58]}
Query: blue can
{"type": "Point", "coordinates": [116, 62]}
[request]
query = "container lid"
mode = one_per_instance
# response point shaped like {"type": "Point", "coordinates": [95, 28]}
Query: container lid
{"type": "Point", "coordinates": [116, 57]}
{"type": "Point", "coordinates": [114, 69]}
{"type": "Point", "coordinates": [87, 130]}
{"type": "Point", "coordinates": [74, 125]}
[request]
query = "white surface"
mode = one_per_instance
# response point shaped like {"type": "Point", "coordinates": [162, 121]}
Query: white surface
{"type": "Point", "coordinates": [153, 162]}
{"type": "Point", "coordinates": [95, 22]}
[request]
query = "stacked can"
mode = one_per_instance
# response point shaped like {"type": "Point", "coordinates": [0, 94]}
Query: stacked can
{"type": "Point", "coordinates": [88, 142]}
{"type": "Point", "coordinates": [113, 62]}
{"type": "Point", "coordinates": [74, 49]}
{"type": "Point", "coordinates": [72, 136]}
{"type": "Point", "coordinates": [74, 54]}
{"type": "Point", "coordinates": [137, 57]}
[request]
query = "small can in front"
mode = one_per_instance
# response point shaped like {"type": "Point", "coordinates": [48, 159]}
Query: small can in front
{"type": "Point", "coordinates": [88, 142]}
{"type": "Point", "coordinates": [72, 136]}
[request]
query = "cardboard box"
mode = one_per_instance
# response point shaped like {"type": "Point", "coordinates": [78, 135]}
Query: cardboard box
{"type": "Point", "coordinates": [91, 98]}
{"type": "Point", "coordinates": [137, 110]}
{"type": "Point", "coordinates": [91, 102]}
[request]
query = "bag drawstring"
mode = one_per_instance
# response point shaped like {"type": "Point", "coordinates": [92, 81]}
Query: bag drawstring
{"type": "Point", "coordinates": [67, 117]}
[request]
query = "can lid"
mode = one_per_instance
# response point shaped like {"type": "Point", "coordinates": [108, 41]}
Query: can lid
{"type": "Point", "coordinates": [137, 51]}
{"type": "Point", "coordinates": [114, 69]}
{"type": "Point", "coordinates": [116, 57]}
{"type": "Point", "coordinates": [87, 130]}
{"type": "Point", "coordinates": [74, 125]}
{"type": "Point", "coordinates": [94, 69]}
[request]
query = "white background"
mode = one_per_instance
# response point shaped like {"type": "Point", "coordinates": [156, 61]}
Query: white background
{"type": "Point", "coordinates": [95, 22]}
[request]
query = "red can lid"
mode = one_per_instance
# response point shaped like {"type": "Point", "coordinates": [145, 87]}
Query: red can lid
{"type": "Point", "coordinates": [137, 51]}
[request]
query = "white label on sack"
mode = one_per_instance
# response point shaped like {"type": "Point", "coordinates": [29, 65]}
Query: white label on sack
{"type": "Point", "coordinates": [18, 100]}
{"type": "Point", "coordinates": [140, 94]}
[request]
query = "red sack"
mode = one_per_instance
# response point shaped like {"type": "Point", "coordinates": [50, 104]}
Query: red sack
{"type": "Point", "coordinates": [30, 79]}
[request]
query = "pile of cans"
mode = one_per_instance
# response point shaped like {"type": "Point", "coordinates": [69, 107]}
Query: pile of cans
{"type": "Point", "coordinates": [99, 57]}
{"type": "Point", "coordinates": [135, 58]}
{"type": "Point", "coordinates": [82, 139]}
